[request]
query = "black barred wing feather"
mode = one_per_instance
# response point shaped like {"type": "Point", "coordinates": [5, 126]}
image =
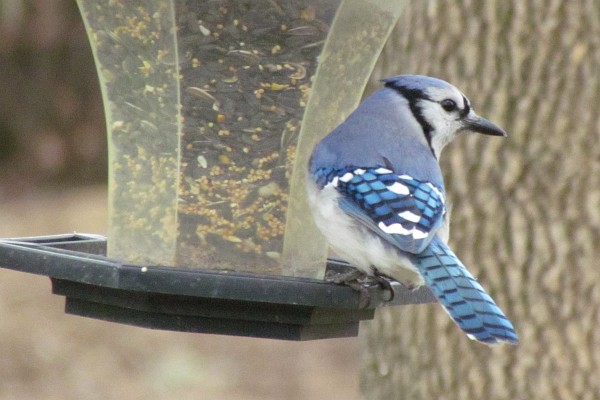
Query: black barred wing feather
{"type": "Point", "coordinates": [405, 211]}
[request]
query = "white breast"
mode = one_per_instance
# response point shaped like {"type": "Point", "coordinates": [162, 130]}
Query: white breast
{"type": "Point", "coordinates": [354, 242]}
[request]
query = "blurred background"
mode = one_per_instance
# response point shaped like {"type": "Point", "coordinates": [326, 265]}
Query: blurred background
{"type": "Point", "coordinates": [525, 219]}
{"type": "Point", "coordinates": [51, 120]}
{"type": "Point", "coordinates": [53, 171]}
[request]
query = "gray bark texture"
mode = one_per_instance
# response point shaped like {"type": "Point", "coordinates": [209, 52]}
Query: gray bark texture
{"type": "Point", "coordinates": [526, 209]}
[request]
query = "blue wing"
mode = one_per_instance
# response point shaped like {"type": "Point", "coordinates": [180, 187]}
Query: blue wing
{"type": "Point", "coordinates": [407, 213]}
{"type": "Point", "coordinates": [402, 210]}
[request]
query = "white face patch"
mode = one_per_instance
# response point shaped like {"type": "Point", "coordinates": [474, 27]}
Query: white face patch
{"type": "Point", "coordinates": [446, 125]}
{"type": "Point", "coordinates": [438, 94]}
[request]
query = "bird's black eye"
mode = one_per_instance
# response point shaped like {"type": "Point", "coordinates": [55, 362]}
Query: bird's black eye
{"type": "Point", "coordinates": [448, 105]}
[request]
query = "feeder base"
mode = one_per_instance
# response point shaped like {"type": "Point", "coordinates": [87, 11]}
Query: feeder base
{"type": "Point", "coordinates": [193, 300]}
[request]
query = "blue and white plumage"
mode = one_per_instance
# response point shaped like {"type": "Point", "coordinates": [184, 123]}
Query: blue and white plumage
{"type": "Point", "coordinates": [377, 194]}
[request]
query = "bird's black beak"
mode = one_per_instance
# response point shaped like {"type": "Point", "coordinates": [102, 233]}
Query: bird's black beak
{"type": "Point", "coordinates": [475, 123]}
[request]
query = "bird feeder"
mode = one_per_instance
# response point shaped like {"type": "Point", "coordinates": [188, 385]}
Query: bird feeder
{"type": "Point", "coordinates": [209, 117]}
{"type": "Point", "coordinates": [212, 109]}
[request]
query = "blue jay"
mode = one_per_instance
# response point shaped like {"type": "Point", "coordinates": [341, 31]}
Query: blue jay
{"type": "Point", "coordinates": [377, 194]}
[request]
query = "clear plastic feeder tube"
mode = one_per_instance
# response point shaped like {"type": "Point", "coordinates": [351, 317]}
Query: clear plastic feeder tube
{"type": "Point", "coordinates": [205, 105]}
{"type": "Point", "coordinates": [134, 45]}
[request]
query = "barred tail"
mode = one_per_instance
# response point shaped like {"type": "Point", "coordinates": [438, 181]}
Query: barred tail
{"type": "Point", "coordinates": [463, 298]}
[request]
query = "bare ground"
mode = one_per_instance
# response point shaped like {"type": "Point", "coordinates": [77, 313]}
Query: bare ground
{"type": "Point", "coordinates": [45, 354]}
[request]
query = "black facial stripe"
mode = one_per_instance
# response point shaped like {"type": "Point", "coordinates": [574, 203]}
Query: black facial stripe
{"type": "Point", "coordinates": [413, 96]}
{"type": "Point", "coordinates": [466, 110]}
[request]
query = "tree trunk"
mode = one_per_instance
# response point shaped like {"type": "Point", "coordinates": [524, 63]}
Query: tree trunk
{"type": "Point", "coordinates": [526, 209]}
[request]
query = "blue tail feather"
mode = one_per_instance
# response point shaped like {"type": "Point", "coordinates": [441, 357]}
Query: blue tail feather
{"type": "Point", "coordinates": [462, 296]}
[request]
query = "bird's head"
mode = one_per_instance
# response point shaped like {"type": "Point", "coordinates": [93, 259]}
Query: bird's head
{"type": "Point", "coordinates": [441, 109]}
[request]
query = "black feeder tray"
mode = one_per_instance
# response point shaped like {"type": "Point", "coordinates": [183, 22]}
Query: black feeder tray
{"type": "Point", "coordinates": [193, 300]}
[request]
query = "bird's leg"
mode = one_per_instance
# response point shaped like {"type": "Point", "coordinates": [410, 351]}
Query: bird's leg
{"type": "Point", "coordinates": [352, 274]}
{"type": "Point", "coordinates": [383, 280]}
{"type": "Point", "coordinates": [354, 279]}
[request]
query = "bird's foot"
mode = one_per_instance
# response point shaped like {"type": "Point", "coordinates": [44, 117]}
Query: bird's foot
{"type": "Point", "coordinates": [383, 280]}
{"type": "Point", "coordinates": [359, 281]}
{"type": "Point", "coordinates": [355, 279]}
